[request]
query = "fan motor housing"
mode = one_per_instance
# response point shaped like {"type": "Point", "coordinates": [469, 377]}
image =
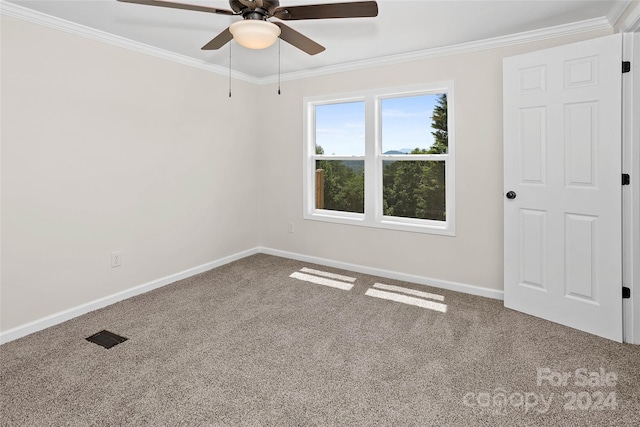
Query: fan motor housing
{"type": "Point", "coordinates": [267, 9]}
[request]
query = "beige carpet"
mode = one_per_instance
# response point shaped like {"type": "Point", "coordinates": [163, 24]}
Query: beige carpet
{"type": "Point", "coordinates": [245, 344]}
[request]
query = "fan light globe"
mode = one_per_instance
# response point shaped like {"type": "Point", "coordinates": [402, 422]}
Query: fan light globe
{"type": "Point", "coordinates": [254, 33]}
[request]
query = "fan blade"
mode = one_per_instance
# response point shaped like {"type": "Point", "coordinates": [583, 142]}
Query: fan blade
{"type": "Point", "coordinates": [360, 9]}
{"type": "Point", "coordinates": [181, 6]}
{"type": "Point", "coordinates": [219, 40]}
{"type": "Point", "coordinates": [298, 40]}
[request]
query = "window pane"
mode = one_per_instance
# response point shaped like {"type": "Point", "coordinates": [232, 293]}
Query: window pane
{"type": "Point", "coordinates": [414, 124]}
{"type": "Point", "coordinates": [340, 185]}
{"type": "Point", "coordinates": [340, 129]}
{"type": "Point", "coordinates": [414, 189]}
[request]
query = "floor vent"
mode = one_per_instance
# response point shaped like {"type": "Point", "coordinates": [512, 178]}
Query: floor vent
{"type": "Point", "coordinates": [106, 339]}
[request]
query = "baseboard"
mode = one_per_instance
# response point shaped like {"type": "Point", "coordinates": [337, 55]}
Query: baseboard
{"type": "Point", "coordinates": [421, 280]}
{"type": "Point", "coordinates": [63, 316]}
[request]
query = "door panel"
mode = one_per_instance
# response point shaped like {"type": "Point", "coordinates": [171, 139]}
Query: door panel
{"type": "Point", "coordinates": [533, 246]}
{"type": "Point", "coordinates": [581, 143]}
{"type": "Point", "coordinates": [532, 145]}
{"type": "Point", "coordinates": [580, 256]}
{"type": "Point", "coordinates": [562, 158]}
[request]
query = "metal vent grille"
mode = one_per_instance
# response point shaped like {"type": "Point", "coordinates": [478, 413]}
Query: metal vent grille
{"type": "Point", "coordinates": [106, 339]}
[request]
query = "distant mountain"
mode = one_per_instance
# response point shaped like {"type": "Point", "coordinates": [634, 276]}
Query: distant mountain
{"type": "Point", "coordinates": [400, 151]}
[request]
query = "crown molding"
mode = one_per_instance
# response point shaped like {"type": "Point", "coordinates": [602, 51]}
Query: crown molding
{"type": "Point", "coordinates": [16, 11]}
{"type": "Point", "coordinates": [617, 10]}
{"type": "Point", "coordinates": [632, 22]}
{"type": "Point", "coordinates": [30, 15]}
{"type": "Point", "coordinates": [475, 46]}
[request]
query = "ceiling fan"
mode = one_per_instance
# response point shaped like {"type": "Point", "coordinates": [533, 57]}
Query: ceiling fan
{"type": "Point", "coordinates": [255, 31]}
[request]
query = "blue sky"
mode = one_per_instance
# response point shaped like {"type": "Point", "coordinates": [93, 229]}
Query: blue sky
{"type": "Point", "coordinates": [406, 124]}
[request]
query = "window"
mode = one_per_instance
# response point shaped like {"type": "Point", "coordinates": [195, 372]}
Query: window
{"type": "Point", "coordinates": [382, 159]}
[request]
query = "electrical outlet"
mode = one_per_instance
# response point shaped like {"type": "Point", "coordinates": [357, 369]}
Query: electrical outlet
{"type": "Point", "coordinates": [116, 259]}
{"type": "Point", "coordinates": [290, 227]}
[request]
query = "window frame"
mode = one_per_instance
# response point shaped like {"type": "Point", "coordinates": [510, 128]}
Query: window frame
{"type": "Point", "coordinates": [373, 161]}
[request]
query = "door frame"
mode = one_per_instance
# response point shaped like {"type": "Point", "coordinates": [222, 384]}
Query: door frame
{"type": "Point", "coordinates": [631, 165]}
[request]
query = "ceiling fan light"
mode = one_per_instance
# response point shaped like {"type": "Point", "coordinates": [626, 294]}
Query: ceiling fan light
{"type": "Point", "coordinates": [254, 33]}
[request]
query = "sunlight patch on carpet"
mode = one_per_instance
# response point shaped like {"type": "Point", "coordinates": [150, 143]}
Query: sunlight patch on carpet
{"type": "Point", "coordinates": [321, 281]}
{"type": "Point", "coordinates": [329, 275]}
{"type": "Point", "coordinates": [405, 299]}
{"type": "Point", "coordinates": [409, 291]}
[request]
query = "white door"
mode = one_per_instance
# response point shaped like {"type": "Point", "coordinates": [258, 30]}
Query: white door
{"type": "Point", "coordinates": [562, 163]}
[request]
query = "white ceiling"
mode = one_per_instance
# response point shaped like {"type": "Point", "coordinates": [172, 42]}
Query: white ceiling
{"type": "Point", "coordinates": [402, 27]}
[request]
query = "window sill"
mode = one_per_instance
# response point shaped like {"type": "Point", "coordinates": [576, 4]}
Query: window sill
{"type": "Point", "coordinates": [389, 223]}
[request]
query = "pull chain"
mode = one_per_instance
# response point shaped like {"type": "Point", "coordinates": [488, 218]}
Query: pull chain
{"type": "Point", "coordinates": [279, 66]}
{"type": "Point", "coordinates": [230, 70]}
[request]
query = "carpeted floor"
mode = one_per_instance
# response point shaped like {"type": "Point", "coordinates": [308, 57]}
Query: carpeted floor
{"type": "Point", "coordinates": [245, 344]}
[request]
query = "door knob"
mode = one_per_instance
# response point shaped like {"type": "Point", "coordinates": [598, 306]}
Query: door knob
{"type": "Point", "coordinates": [511, 195]}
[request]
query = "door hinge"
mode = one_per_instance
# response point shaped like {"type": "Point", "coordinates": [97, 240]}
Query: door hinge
{"type": "Point", "coordinates": [626, 66]}
{"type": "Point", "coordinates": [626, 179]}
{"type": "Point", "coordinates": [626, 292]}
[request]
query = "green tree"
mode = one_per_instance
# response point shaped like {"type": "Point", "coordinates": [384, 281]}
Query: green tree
{"type": "Point", "coordinates": [414, 189]}
{"type": "Point", "coordinates": [440, 125]}
{"type": "Point", "coordinates": [343, 184]}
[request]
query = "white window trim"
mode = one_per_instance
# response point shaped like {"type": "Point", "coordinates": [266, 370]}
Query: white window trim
{"type": "Point", "coordinates": [373, 215]}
